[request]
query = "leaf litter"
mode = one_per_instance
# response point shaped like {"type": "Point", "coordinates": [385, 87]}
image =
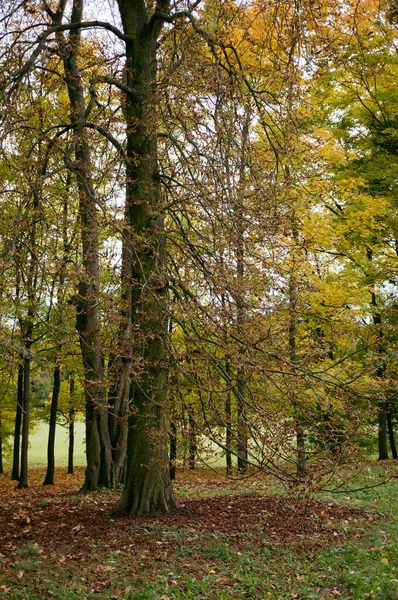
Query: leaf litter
{"type": "Point", "coordinates": [56, 518]}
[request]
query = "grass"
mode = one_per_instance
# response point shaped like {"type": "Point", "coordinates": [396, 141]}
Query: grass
{"type": "Point", "coordinates": [38, 446]}
{"type": "Point", "coordinates": [173, 563]}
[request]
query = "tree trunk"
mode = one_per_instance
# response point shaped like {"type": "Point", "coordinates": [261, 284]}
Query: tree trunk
{"type": "Point", "coordinates": [17, 427]}
{"type": "Point", "coordinates": [120, 364]}
{"type": "Point", "coordinates": [383, 451]}
{"type": "Point", "coordinates": [193, 447]}
{"type": "Point", "coordinates": [98, 445]}
{"type": "Point", "coordinates": [71, 445]}
{"type": "Point", "coordinates": [173, 448]}
{"type": "Point", "coordinates": [148, 486]}
{"type": "Point", "coordinates": [118, 401]}
{"type": "Point", "coordinates": [228, 426]}
{"type": "Point", "coordinates": [1, 449]}
{"type": "Point", "coordinates": [23, 479]}
{"type": "Point", "coordinates": [242, 423]}
{"type": "Point", "coordinates": [301, 461]}
{"type": "Point", "coordinates": [49, 479]}
{"type": "Point", "coordinates": [71, 420]}
{"type": "Point", "coordinates": [391, 434]}
{"type": "Point", "coordinates": [242, 428]}
{"type": "Point", "coordinates": [383, 405]}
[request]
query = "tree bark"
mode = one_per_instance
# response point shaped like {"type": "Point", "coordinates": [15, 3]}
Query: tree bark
{"type": "Point", "coordinates": [71, 422]}
{"type": "Point", "coordinates": [1, 449]}
{"type": "Point", "coordinates": [49, 478]}
{"type": "Point", "coordinates": [23, 478]}
{"type": "Point", "coordinates": [17, 427]}
{"type": "Point", "coordinates": [118, 401]}
{"type": "Point", "coordinates": [193, 447]}
{"type": "Point", "coordinates": [383, 407]}
{"type": "Point", "coordinates": [148, 486]}
{"type": "Point", "coordinates": [301, 467]}
{"type": "Point", "coordinates": [391, 434]}
{"type": "Point", "coordinates": [228, 425]}
{"type": "Point", "coordinates": [383, 450]}
{"type": "Point", "coordinates": [173, 448]}
{"type": "Point", "coordinates": [242, 428]}
{"type": "Point", "coordinates": [71, 445]}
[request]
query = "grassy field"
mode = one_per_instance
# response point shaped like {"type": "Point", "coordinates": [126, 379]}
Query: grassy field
{"type": "Point", "coordinates": [232, 540]}
{"type": "Point", "coordinates": [38, 446]}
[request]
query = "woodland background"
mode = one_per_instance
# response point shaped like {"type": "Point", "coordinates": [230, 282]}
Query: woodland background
{"type": "Point", "coordinates": [198, 236]}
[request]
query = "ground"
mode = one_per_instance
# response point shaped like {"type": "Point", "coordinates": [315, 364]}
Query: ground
{"type": "Point", "coordinates": [227, 540]}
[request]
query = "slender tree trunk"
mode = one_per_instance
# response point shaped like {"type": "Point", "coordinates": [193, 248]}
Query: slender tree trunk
{"type": "Point", "coordinates": [1, 448]}
{"type": "Point", "coordinates": [193, 447]}
{"type": "Point", "coordinates": [17, 427]}
{"type": "Point", "coordinates": [49, 479]}
{"type": "Point", "coordinates": [23, 479]}
{"type": "Point", "coordinates": [98, 444]}
{"type": "Point", "coordinates": [300, 436]}
{"type": "Point", "coordinates": [391, 433]}
{"type": "Point", "coordinates": [242, 423]}
{"type": "Point", "coordinates": [383, 405]}
{"type": "Point", "coordinates": [148, 486]}
{"type": "Point", "coordinates": [228, 426]}
{"type": "Point", "coordinates": [228, 404]}
{"type": "Point", "coordinates": [242, 429]}
{"type": "Point", "coordinates": [71, 419]}
{"type": "Point", "coordinates": [120, 365]}
{"type": "Point", "coordinates": [118, 400]}
{"type": "Point", "coordinates": [71, 445]}
{"type": "Point", "coordinates": [173, 447]}
{"type": "Point", "coordinates": [383, 450]}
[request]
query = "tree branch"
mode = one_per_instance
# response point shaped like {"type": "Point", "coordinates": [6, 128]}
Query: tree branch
{"type": "Point", "coordinates": [42, 40]}
{"type": "Point", "coordinates": [132, 92]}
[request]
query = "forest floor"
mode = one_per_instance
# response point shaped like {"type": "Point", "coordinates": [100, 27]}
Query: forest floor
{"type": "Point", "coordinates": [228, 540]}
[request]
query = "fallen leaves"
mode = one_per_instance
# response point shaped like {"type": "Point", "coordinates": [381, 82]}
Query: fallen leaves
{"type": "Point", "coordinates": [71, 525]}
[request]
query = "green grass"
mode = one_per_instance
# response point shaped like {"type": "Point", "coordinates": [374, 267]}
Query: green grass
{"type": "Point", "coordinates": [38, 446]}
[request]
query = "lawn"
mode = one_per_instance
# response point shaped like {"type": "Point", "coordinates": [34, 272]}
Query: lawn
{"type": "Point", "coordinates": [229, 540]}
{"type": "Point", "coordinates": [38, 445]}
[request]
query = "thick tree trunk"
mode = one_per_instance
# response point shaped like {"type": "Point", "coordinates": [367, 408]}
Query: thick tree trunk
{"type": "Point", "coordinates": [23, 478]}
{"type": "Point", "coordinates": [49, 479]}
{"type": "Point", "coordinates": [17, 427]}
{"type": "Point", "coordinates": [148, 486]}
